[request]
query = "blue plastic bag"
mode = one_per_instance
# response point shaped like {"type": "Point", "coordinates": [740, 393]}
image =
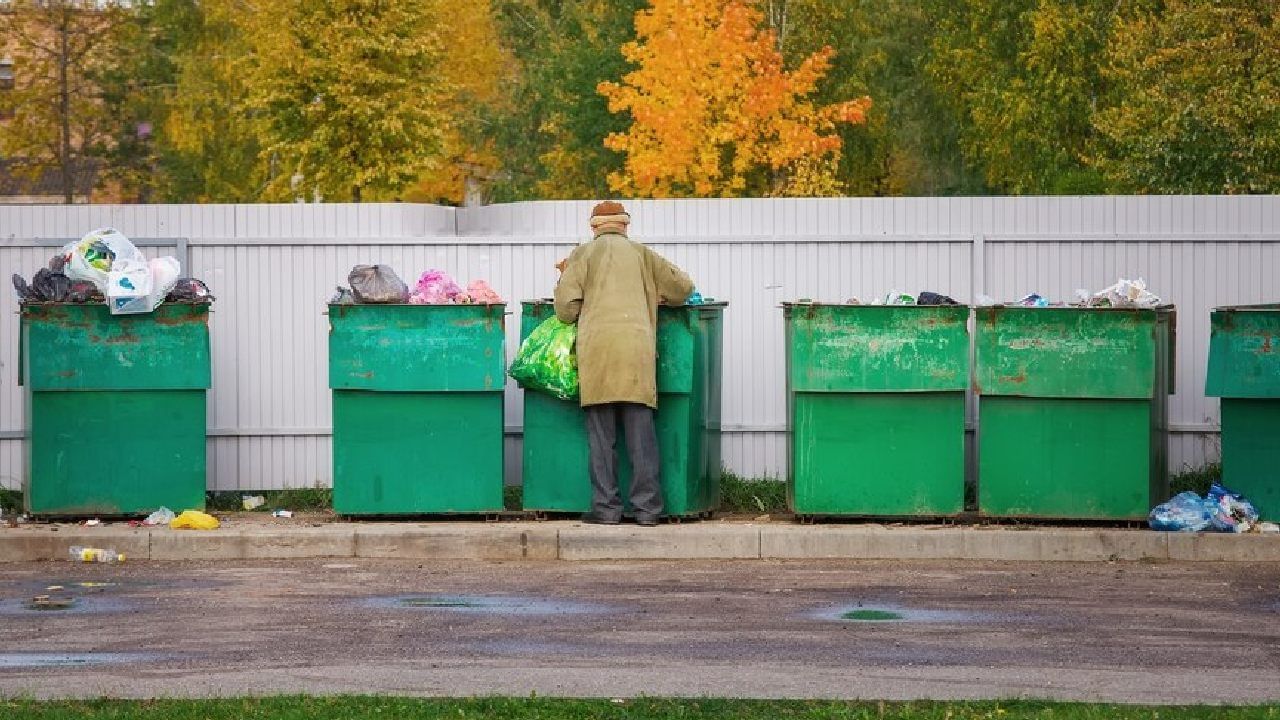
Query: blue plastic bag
{"type": "Point", "coordinates": [1185, 512]}
{"type": "Point", "coordinates": [1231, 511]}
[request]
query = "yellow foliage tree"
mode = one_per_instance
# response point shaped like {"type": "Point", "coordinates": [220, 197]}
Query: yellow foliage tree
{"type": "Point", "coordinates": [346, 95]}
{"type": "Point", "coordinates": [715, 113]}
{"type": "Point", "coordinates": [471, 69]}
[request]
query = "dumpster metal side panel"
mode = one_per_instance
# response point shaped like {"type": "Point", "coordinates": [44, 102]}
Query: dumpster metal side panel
{"type": "Point", "coordinates": [1065, 458]}
{"type": "Point", "coordinates": [1251, 451]}
{"type": "Point", "coordinates": [417, 347]}
{"type": "Point", "coordinates": [869, 348]}
{"type": "Point", "coordinates": [1244, 353]}
{"type": "Point", "coordinates": [85, 347]}
{"type": "Point", "coordinates": [555, 470]}
{"type": "Point", "coordinates": [416, 452]}
{"type": "Point", "coordinates": [115, 452]}
{"type": "Point", "coordinates": [1065, 352]}
{"type": "Point", "coordinates": [878, 454]}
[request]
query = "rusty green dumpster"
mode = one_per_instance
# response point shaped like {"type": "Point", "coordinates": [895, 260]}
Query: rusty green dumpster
{"type": "Point", "coordinates": [115, 408]}
{"type": "Point", "coordinates": [1244, 371]}
{"type": "Point", "coordinates": [875, 401]}
{"type": "Point", "coordinates": [555, 469]}
{"type": "Point", "coordinates": [1073, 411]}
{"type": "Point", "coordinates": [417, 408]}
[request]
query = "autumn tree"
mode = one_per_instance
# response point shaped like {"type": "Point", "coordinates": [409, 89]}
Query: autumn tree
{"type": "Point", "coordinates": [61, 51]}
{"type": "Point", "coordinates": [346, 95]}
{"type": "Point", "coordinates": [909, 144]}
{"type": "Point", "coordinates": [715, 113]}
{"type": "Point", "coordinates": [1195, 106]}
{"type": "Point", "coordinates": [551, 129]}
{"type": "Point", "coordinates": [472, 69]}
{"type": "Point", "coordinates": [1023, 79]}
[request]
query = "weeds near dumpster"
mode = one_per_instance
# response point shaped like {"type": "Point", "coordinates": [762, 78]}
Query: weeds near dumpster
{"type": "Point", "coordinates": [756, 495]}
{"type": "Point", "coordinates": [11, 501]}
{"type": "Point", "coordinates": [1197, 480]}
{"type": "Point", "coordinates": [312, 498]}
{"type": "Point", "coordinates": [513, 497]}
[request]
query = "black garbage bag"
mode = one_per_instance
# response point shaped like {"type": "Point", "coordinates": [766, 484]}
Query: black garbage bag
{"type": "Point", "coordinates": [83, 291]}
{"type": "Point", "coordinates": [932, 298]}
{"type": "Point", "coordinates": [58, 263]}
{"type": "Point", "coordinates": [377, 284]}
{"type": "Point", "coordinates": [189, 290]}
{"type": "Point", "coordinates": [25, 293]}
{"type": "Point", "coordinates": [50, 286]}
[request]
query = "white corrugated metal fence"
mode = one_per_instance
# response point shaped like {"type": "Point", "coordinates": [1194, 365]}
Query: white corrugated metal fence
{"type": "Point", "coordinates": [273, 266]}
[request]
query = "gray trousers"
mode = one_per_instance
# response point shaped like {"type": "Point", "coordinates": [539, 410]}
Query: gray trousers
{"type": "Point", "coordinates": [642, 447]}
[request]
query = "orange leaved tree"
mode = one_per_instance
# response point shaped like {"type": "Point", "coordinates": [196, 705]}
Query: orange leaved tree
{"type": "Point", "coordinates": [715, 114]}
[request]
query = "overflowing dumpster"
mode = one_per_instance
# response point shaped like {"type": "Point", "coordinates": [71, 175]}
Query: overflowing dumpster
{"type": "Point", "coordinates": [876, 409]}
{"type": "Point", "coordinates": [417, 408]}
{"type": "Point", "coordinates": [1244, 371]}
{"type": "Point", "coordinates": [555, 467]}
{"type": "Point", "coordinates": [1073, 411]}
{"type": "Point", "coordinates": [115, 408]}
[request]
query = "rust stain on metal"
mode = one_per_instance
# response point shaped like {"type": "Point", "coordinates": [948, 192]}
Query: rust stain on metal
{"type": "Point", "coordinates": [1018, 379]}
{"type": "Point", "coordinates": [1266, 344]}
{"type": "Point", "coordinates": [182, 319]}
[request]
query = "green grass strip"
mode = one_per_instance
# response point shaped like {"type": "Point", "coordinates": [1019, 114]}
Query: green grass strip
{"type": "Point", "coordinates": [384, 708]}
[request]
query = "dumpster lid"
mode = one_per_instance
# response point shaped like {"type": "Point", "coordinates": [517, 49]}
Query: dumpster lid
{"type": "Point", "coordinates": [1260, 307]}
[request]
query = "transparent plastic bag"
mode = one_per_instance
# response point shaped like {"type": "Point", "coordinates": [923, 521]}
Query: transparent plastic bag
{"type": "Point", "coordinates": [547, 360]}
{"type": "Point", "coordinates": [100, 251]}
{"type": "Point", "coordinates": [377, 284]}
{"type": "Point", "coordinates": [1185, 512]}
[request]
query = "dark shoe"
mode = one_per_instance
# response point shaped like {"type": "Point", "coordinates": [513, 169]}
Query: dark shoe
{"type": "Point", "coordinates": [647, 520]}
{"type": "Point", "coordinates": [593, 518]}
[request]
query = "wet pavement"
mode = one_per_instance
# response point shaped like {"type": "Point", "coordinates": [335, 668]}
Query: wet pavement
{"type": "Point", "coordinates": [1126, 632]}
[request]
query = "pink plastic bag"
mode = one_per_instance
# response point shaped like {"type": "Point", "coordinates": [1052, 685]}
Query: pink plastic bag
{"type": "Point", "coordinates": [435, 287]}
{"type": "Point", "coordinates": [480, 293]}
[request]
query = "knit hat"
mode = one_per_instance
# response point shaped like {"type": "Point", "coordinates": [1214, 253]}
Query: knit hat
{"type": "Point", "coordinates": [610, 214]}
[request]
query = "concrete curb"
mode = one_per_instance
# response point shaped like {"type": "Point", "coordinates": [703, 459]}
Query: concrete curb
{"type": "Point", "coordinates": [573, 541]}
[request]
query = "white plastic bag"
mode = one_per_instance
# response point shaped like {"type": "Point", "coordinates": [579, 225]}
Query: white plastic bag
{"type": "Point", "coordinates": [165, 272]}
{"type": "Point", "coordinates": [163, 516]}
{"type": "Point", "coordinates": [99, 252]}
{"type": "Point", "coordinates": [128, 287]}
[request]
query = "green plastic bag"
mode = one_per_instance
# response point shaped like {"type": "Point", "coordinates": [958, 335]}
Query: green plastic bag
{"type": "Point", "coordinates": [547, 360]}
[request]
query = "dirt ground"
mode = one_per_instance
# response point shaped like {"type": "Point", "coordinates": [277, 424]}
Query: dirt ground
{"type": "Point", "coordinates": [1152, 633]}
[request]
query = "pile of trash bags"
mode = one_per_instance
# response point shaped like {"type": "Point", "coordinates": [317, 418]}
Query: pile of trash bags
{"type": "Point", "coordinates": [103, 266]}
{"type": "Point", "coordinates": [379, 284]}
{"type": "Point", "coordinates": [1124, 294]}
{"type": "Point", "coordinates": [897, 297]}
{"type": "Point", "coordinates": [1221, 511]}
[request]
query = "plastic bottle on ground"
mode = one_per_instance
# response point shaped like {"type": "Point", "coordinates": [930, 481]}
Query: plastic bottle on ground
{"type": "Point", "coordinates": [89, 554]}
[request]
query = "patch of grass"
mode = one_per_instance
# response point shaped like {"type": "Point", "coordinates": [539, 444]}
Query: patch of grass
{"type": "Point", "coordinates": [757, 495]}
{"type": "Point", "coordinates": [513, 497]}
{"type": "Point", "coordinates": [1195, 479]}
{"type": "Point", "coordinates": [871, 615]}
{"type": "Point", "coordinates": [495, 708]}
{"type": "Point", "coordinates": [313, 498]}
{"type": "Point", "coordinates": [11, 500]}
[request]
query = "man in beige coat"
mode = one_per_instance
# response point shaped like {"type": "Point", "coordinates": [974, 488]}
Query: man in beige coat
{"type": "Point", "coordinates": [612, 287]}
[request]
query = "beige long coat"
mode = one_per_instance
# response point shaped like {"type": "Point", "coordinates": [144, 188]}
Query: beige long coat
{"type": "Point", "coordinates": [611, 287]}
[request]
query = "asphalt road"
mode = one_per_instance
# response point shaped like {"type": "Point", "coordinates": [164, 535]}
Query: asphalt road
{"type": "Point", "coordinates": [1150, 633]}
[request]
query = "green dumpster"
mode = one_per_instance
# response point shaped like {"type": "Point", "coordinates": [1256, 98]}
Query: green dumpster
{"type": "Point", "coordinates": [115, 408]}
{"type": "Point", "coordinates": [1073, 411]}
{"type": "Point", "coordinates": [417, 408]}
{"type": "Point", "coordinates": [875, 402]}
{"type": "Point", "coordinates": [556, 476]}
{"type": "Point", "coordinates": [1244, 370]}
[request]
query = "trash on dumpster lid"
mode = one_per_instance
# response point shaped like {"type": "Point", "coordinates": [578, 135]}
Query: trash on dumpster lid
{"type": "Point", "coordinates": [377, 284]}
{"type": "Point", "coordinates": [103, 266]}
{"type": "Point", "coordinates": [1221, 510]}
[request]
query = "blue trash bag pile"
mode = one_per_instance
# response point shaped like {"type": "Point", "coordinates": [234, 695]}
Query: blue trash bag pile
{"type": "Point", "coordinates": [1220, 511]}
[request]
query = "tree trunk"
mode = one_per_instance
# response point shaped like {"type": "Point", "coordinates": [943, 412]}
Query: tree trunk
{"type": "Point", "coordinates": [355, 193]}
{"type": "Point", "coordinates": [64, 106]}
